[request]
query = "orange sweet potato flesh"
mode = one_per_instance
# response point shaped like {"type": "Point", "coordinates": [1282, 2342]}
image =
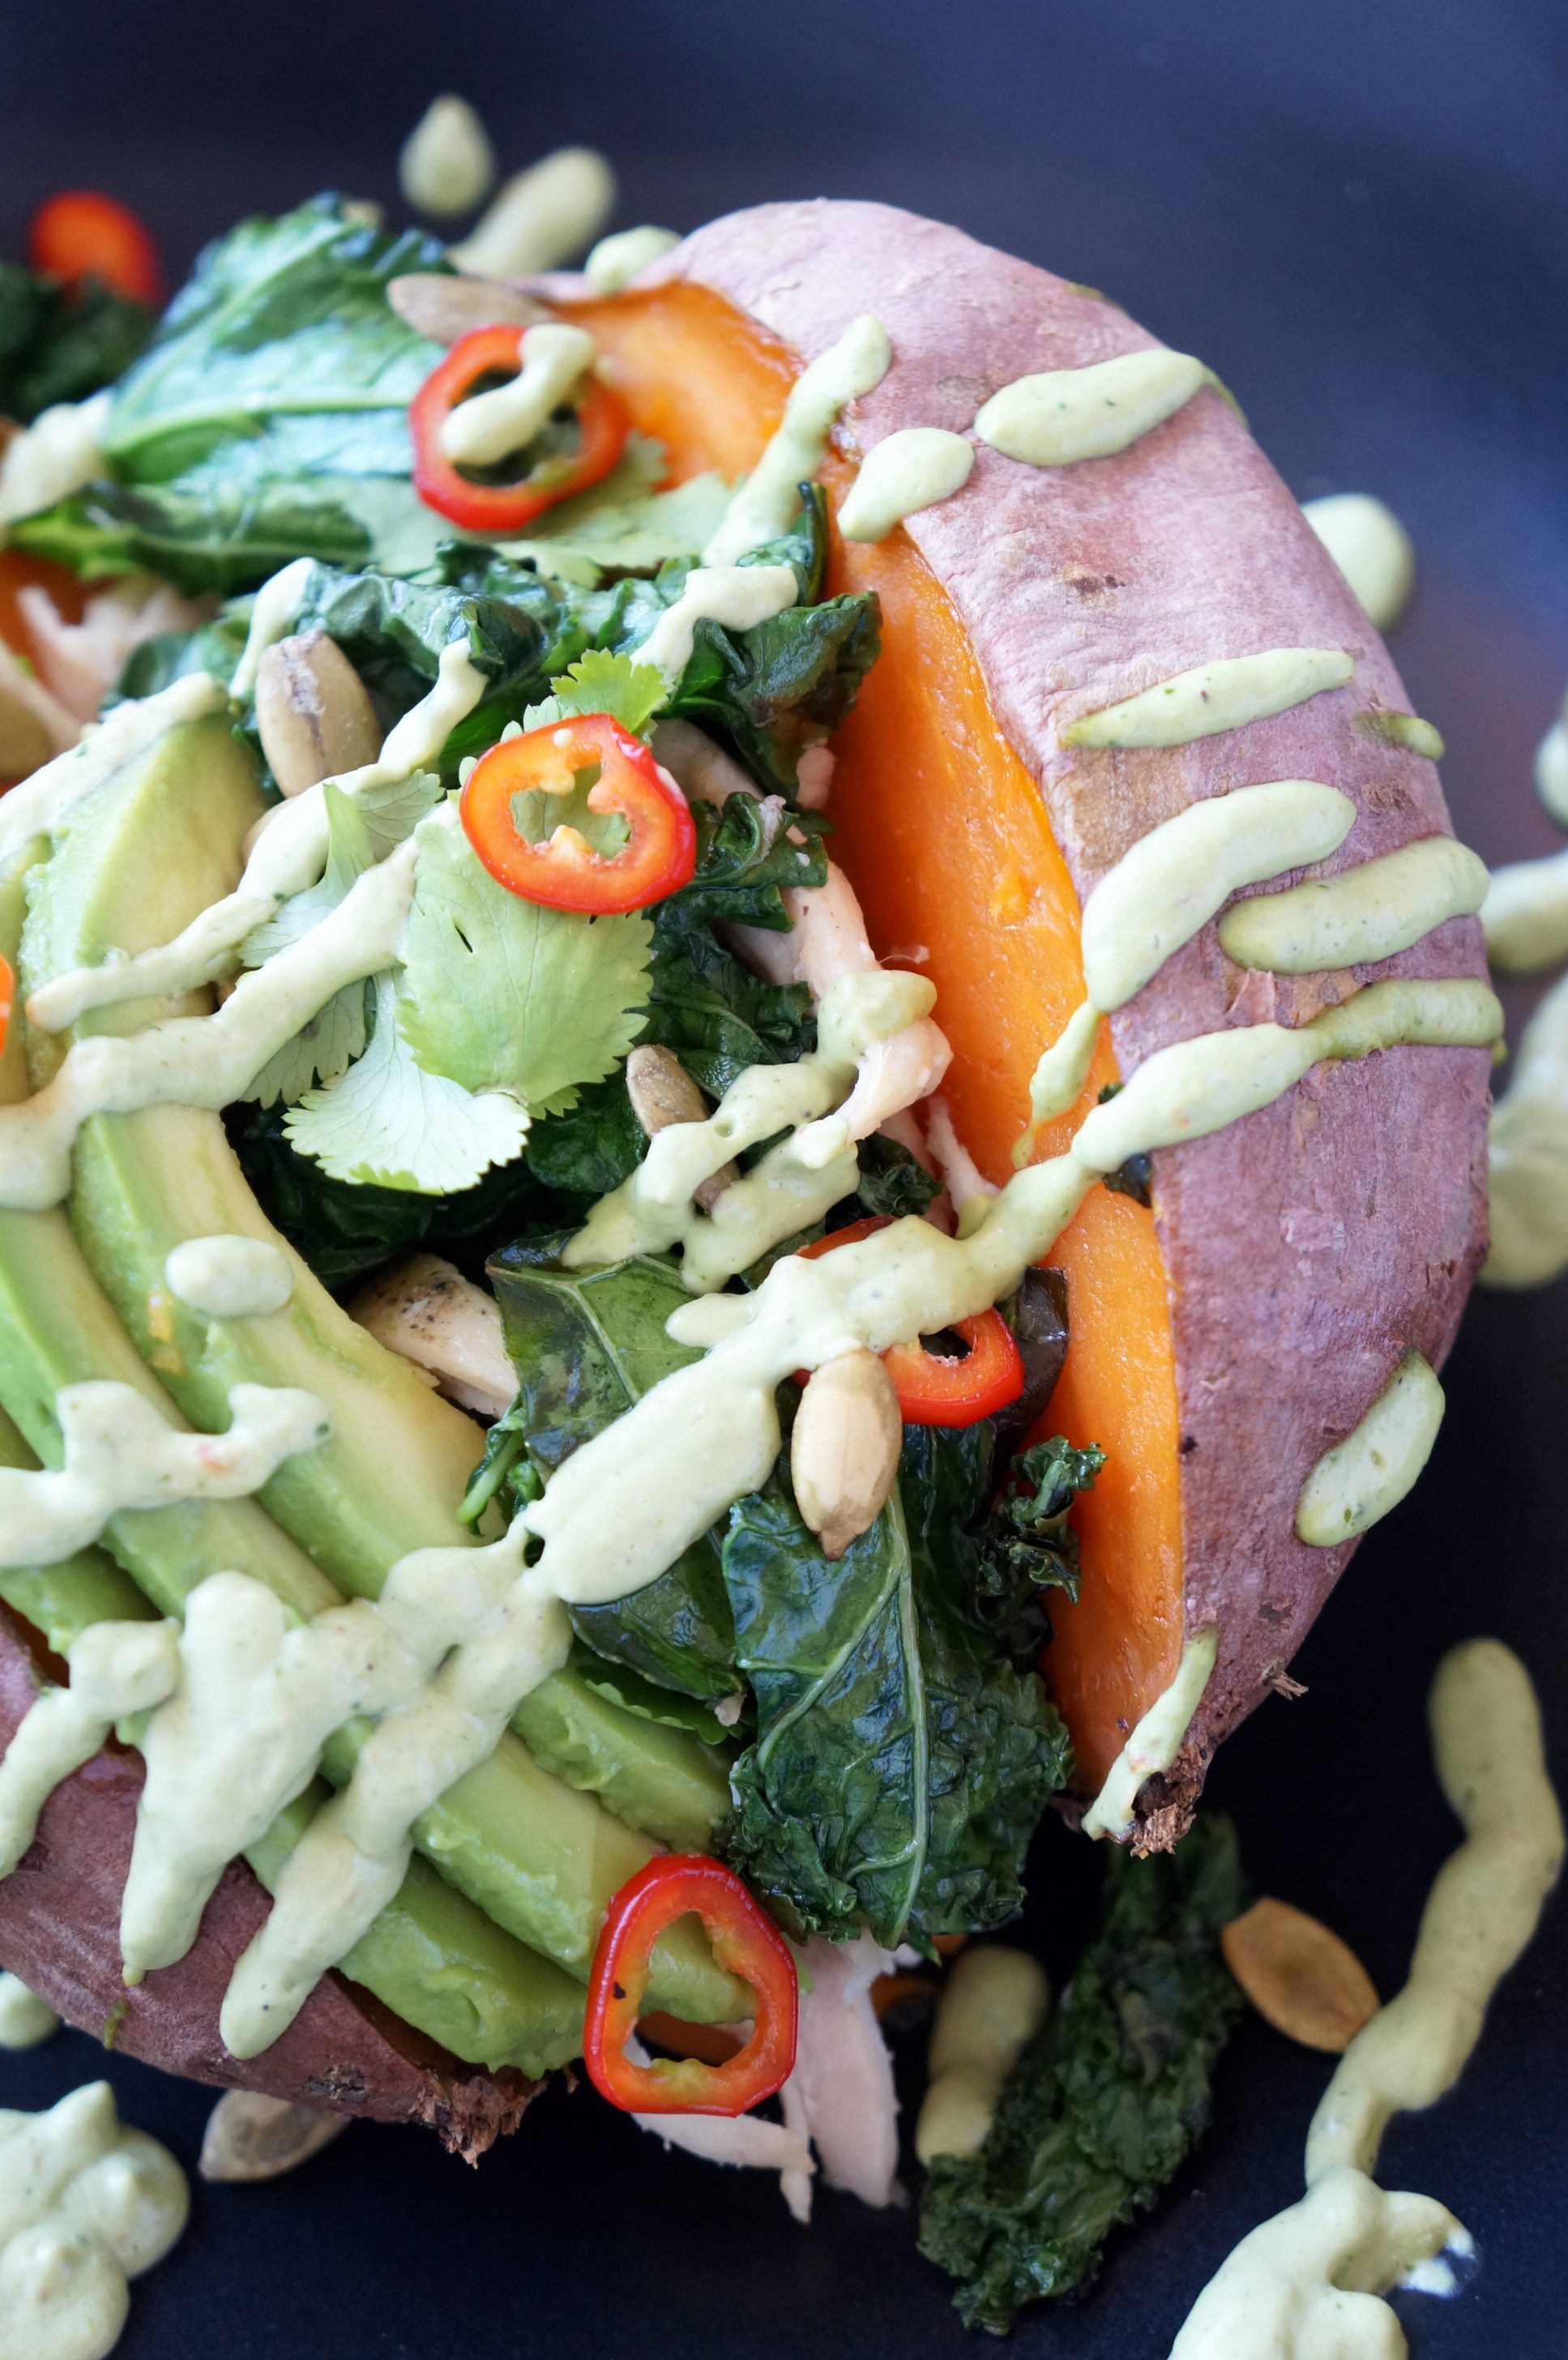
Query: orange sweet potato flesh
{"type": "Point", "coordinates": [947, 841]}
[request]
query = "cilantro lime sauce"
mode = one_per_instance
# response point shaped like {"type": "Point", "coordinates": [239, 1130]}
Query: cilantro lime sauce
{"type": "Point", "coordinates": [203, 1061]}
{"type": "Point", "coordinates": [25, 2018]}
{"type": "Point", "coordinates": [1527, 1183]}
{"type": "Point", "coordinates": [1525, 914]}
{"type": "Point", "coordinates": [1357, 1484]}
{"type": "Point", "coordinates": [59, 451]}
{"type": "Point", "coordinates": [1155, 1742]}
{"type": "Point", "coordinates": [116, 1670]}
{"type": "Point", "coordinates": [1214, 697]}
{"type": "Point", "coordinates": [794, 1184]}
{"type": "Point", "coordinates": [542, 217]}
{"type": "Point", "coordinates": [993, 2001]}
{"type": "Point", "coordinates": [737, 597]}
{"type": "Point", "coordinates": [1406, 729]}
{"type": "Point", "coordinates": [229, 1277]}
{"type": "Point", "coordinates": [1364, 914]}
{"type": "Point", "coordinates": [766, 502]}
{"type": "Point", "coordinates": [40, 805]}
{"type": "Point", "coordinates": [909, 470]}
{"type": "Point", "coordinates": [1061, 415]}
{"type": "Point", "coordinates": [1301, 2285]}
{"type": "Point", "coordinates": [616, 261]}
{"type": "Point", "coordinates": [1371, 549]}
{"type": "Point", "coordinates": [447, 164]}
{"type": "Point", "coordinates": [85, 2205]}
{"type": "Point", "coordinates": [551, 358]}
{"type": "Point", "coordinates": [272, 613]}
{"type": "Point", "coordinates": [1164, 891]}
{"type": "Point", "coordinates": [288, 854]}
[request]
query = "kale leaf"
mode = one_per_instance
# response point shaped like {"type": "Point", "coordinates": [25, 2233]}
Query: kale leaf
{"type": "Point", "coordinates": [901, 1764]}
{"type": "Point", "coordinates": [1027, 1544]}
{"type": "Point", "coordinates": [269, 418]}
{"type": "Point", "coordinates": [1109, 2099]}
{"type": "Point", "coordinates": [59, 344]}
{"type": "Point", "coordinates": [586, 1345]}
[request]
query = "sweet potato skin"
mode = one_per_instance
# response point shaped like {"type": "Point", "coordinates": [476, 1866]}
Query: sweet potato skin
{"type": "Point", "coordinates": [1308, 1248]}
{"type": "Point", "coordinates": [59, 1919]}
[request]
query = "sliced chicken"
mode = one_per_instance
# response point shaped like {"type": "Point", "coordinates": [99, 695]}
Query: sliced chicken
{"type": "Point", "coordinates": [424, 1310]}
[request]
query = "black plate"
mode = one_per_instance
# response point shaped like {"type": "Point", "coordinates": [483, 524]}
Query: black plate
{"type": "Point", "coordinates": [1360, 215]}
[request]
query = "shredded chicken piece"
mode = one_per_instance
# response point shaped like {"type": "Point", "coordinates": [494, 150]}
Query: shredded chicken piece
{"type": "Point", "coordinates": [959, 1170]}
{"type": "Point", "coordinates": [426, 1311]}
{"type": "Point", "coordinates": [747, 2141]}
{"type": "Point", "coordinates": [17, 682]}
{"type": "Point", "coordinates": [78, 663]}
{"type": "Point", "coordinates": [814, 778]}
{"type": "Point", "coordinates": [841, 2092]}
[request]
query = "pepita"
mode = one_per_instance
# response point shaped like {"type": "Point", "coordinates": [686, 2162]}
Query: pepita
{"type": "Point", "coordinates": [1300, 1978]}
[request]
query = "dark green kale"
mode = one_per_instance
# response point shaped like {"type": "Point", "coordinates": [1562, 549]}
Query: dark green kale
{"type": "Point", "coordinates": [901, 1762]}
{"type": "Point", "coordinates": [891, 1181]}
{"type": "Point", "coordinates": [1135, 1178]}
{"type": "Point", "coordinates": [60, 345]}
{"type": "Point", "coordinates": [269, 418]}
{"type": "Point", "coordinates": [1027, 1544]}
{"type": "Point", "coordinates": [586, 1345]}
{"type": "Point", "coordinates": [345, 1229]}
{"type": "Point", "coordinates": [1109, 2100]}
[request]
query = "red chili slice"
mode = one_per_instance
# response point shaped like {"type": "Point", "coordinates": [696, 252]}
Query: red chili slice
{"type": "Point", "coordinates": [564, 872]}
{"type": "Point", "coordinates": [79, 233]}
{"type": "Point", "coordinates": [744, 1940]}
{"type": "Point", "coordinates": [937, 1388]}
{"type": "Point", "coordinates": [602, 422]}
{"type": "Point", "coordinates": [7, 994]}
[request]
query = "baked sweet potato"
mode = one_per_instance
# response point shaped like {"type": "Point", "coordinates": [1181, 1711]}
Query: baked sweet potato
{"type": "Point", "coordinates": [1222, 1341]}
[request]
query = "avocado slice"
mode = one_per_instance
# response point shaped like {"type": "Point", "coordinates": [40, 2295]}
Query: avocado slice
{"type": "Point", "coordinates": [140, 859]}
{"type": "Point", "coordinates": [539, 1859]}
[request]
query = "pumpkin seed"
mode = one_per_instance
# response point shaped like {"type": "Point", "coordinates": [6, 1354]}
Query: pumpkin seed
{"type": "Point", "coordinates": [1300, 1978]}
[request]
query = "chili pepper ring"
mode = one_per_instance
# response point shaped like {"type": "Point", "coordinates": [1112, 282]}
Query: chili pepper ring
{"type": "Point", "coordinates": [564, 872]}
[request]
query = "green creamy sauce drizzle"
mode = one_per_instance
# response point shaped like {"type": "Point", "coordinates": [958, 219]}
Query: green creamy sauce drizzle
{"type": "Point", "coordinates": [761, 510]}
{"type": "Point", "coordinates": [1156, 1741]}
{"type": "Point", "coordinates": [1061, 415]}
{"type": "Point", "coordinates": [738, 596]}
{"type": "Point", "coordinates": [1357, 1484]}
{"type": "Point", "coordinates": [288, 854]}
{"type": "Point", "coordinates": [1214, 698]}
{"type": "Point", "coordinates": [40, 803]}
{"type": "Point", "coordinates": [1371, 549]}
{"type": "Point", "coordinates": [489, 427]}
{"type": "Point", "coordinates": [25, 2018]}
{"type": "Point", "coordinates": [1282, 2294]}
{"type": "Point", "coordinates": [85, 2205]}
{"type": "Point", "coordinates": [1364, 914]}
{"type": "Point", "coordinates": [1528, 1182]}
{"type": "Point", "coordinates": [906, 471]}
{"type": "Point", "coordinates": [230, 1277]}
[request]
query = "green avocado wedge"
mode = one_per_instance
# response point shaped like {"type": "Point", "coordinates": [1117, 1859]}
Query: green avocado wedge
{"type": "Point", "coordinates": [539, 1859]}
{"type": "Point", "coordinates": [144, 855]}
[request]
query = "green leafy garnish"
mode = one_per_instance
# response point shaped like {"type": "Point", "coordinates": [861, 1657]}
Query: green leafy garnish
{"type": "Point", "coordinates": [268, 419]}
{"type": "Point", "coordinates": [1109, 2100]}
{"type": "Point", "coordinates": [390, 1122]}
{"type": "Point", "coordinates": [1027, 1544]}
{"type": "Point", "coordinates": [60, 345]}
{"type": "Point", "coordinates": [623, 524]}
{"type": "Point", "coordinates": [498, 993]}
{"type": "Point", "coordinates": [334, 1037]}
{"type": "Point", "coordinates": [631, 692]}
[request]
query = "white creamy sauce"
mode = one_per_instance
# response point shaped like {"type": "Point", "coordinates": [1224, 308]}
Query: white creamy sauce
{"type": "Point", "coordinates": [1155, 1742]}
{"type": "Point", "coordinates": [1214, 698]}
{"type": "Point", "coordinates": [59, 451]}
{"type": "Point", "coordinates": [26, 2020]}
{"type": "Point", "coordinates": [906, 471]}
{"type": "Point", "coordinates": [229, 1277]}
{"type": "Point", "coordinates": [542, 217]}
{"type": "Point", "coordinates": [1406, 729]}
{"type": "Point", "coordinates": [272, 613]}
{"type": "Point", "coordinates": [1528, 1181]}
{"type": "Point", "coordinates": [116, 1670]}
{"type": "Point", "coordinates": [447, 165]}
{"type": "Point", "coordinates": [766, 501]}
{"type": "Point", "coordinates": [1525, 914]}
{"type": "Point", "coordinates": [1371, 549]}
{"type": "Point", "coordinates": [1357, 1482]}
{"type": "Point", "coordinates": [992, 2003]}
{"type": "Point", "coordinates": [1061, 415]}
{"type": "Point", "coordinates": [616, 261]}
{"type": "Point", "coordinates": [85, 2204]}
{"type": "Point", "coordinates": [40, 805]}
{"type": "Point", "coordinates": [1306, 2286]}
{"type": "Point", "coordinates": [203, 1060]}
{"type": "Point", "coordinates": [551, 360]}
{"type": "Point", "coordinates": [738, 597]}
{"type": "Point", "coordinates": [1364, 914]}
{"type": "Point", "coordinates": [287, 855]}
{"type": "Point", "coordinates": [1164, 891]}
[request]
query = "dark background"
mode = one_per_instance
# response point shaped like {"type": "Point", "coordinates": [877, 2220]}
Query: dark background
{"type": "Point", "coordinates": [1357, 211]}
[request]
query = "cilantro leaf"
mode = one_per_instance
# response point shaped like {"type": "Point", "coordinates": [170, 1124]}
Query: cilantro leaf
{"type": "Point", "coordinates": [500, 994]}
{"type": "Point", "coordinates": [389, 1123]}
{"type": "Point", "coordinates": [601, 682]}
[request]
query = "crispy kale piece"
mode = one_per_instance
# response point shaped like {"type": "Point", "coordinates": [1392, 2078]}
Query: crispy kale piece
{"type": "Point", "coordinates": [1027, 1544]}
{"type": "Point", "coordinates": [1109, 2100]}
{"type": "Point", "coordinates": [60, 345]}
